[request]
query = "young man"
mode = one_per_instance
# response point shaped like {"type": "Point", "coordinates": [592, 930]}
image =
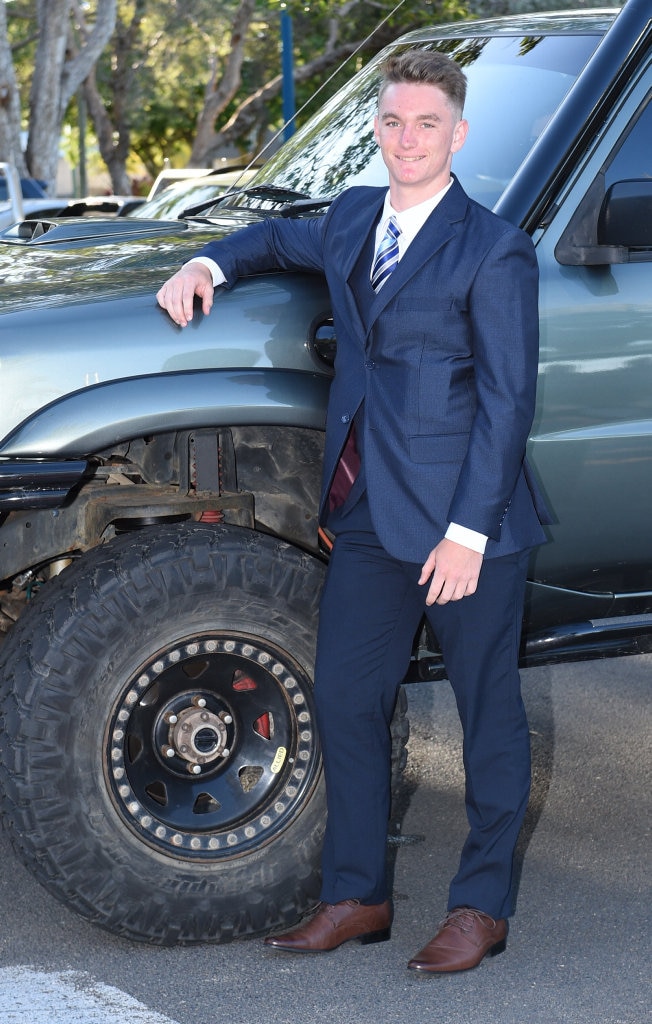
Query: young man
{"type": "Point", "coordinates": [435, 307]}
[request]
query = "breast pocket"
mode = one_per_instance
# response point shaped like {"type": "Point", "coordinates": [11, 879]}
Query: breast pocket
{"type": "Point", "coordinates": [426, 303]}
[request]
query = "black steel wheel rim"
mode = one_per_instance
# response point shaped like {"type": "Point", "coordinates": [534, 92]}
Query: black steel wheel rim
{"type": "Point", "coordinates": [212, 746]}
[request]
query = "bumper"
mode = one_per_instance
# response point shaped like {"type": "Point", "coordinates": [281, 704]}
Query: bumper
{"type": "Point", "coordinates": [36, 484]}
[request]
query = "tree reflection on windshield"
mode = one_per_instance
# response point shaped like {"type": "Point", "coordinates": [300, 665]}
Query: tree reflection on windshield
{"type": "Point", "coordinates": [514, 85]}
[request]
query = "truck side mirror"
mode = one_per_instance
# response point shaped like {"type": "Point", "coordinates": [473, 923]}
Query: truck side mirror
{"type": "Point", "coordinates": [624, 222]}
{"type": "Point", "coordinates": [626, 215]}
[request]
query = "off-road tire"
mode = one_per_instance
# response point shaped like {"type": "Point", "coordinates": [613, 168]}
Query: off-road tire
{"type": "Point", "coordinates": [138, 631]}
{"type": "Point", "coordinates": [205, 628]}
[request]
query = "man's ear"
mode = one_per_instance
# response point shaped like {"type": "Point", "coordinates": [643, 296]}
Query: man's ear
{"type": "Point", "coordinates": [459, 135]}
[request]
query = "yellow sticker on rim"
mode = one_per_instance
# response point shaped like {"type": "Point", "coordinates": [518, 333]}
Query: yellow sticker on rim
{"type": "Point", "coordinates": [279, 760]}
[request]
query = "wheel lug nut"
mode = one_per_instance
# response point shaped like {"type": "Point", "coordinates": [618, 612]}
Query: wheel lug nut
{"type": "Point", "coordinates": [199, 702]}
{"type": "Point", "coordinates": [194, 769]}
{"type": "Point", "coordinates": [225, 752]}
{"type": "Point", "coordinates": [168, 751]}
{"type": "Point", "coordinates": [171, 719]}
{"type": "Point", "coordinates": [226, 717]}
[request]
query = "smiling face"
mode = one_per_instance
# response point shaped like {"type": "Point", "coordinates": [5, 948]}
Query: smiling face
{"type": "Point", "coordinates": [418, 132]}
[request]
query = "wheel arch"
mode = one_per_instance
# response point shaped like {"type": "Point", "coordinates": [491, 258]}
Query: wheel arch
{"type": "Point", "coordinates": [102, 415]}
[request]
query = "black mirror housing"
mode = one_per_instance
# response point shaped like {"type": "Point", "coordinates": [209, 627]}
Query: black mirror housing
{"type": "Point", "coordinates": [626, 215]}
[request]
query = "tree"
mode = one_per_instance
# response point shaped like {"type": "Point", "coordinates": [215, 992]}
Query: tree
{"type": "Point", "coordinates": [56, 75]}
{"type": "Point", "coordinates": [186, 80]}
{"type": "Point", "coordinates": [221, 89]}
{"type": "Point", "coordinates": [10, 147]}
{"type": "Point", "coordinates": [113, 124]}
{"type": "Point", "coordinates": [145, 93]}
{"type": "Point", "coordinates": [333, 32]}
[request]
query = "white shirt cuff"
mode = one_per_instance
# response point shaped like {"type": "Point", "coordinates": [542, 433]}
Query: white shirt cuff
{"type": "Point", "coordinates": [469, 538]}
{"type": "Point", "coordinates": [218, 276]}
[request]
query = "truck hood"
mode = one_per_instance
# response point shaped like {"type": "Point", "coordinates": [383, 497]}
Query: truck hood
{"type": "Point", "coordinates": [65, 262]}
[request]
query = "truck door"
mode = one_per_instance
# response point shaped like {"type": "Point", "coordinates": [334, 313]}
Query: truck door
{"type": "Point", "coordinates": [591, 444]}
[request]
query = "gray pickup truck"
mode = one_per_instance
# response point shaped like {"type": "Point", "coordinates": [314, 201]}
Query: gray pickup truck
{"type": "Point", "coordinates": [160, 559]}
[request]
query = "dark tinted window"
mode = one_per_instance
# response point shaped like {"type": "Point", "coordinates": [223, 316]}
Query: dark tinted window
{"type": "Point", "coordinates": [633, 158]}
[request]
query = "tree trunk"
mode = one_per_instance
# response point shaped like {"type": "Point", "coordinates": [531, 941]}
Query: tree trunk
{"type": "Point", "coordinates": [114, 154]}
{"type": "Point", "coordinates": [113, 132]}
{"type": "Point", "coordinates": [10, 147]}
{"type": "Point", "coordinates": [56, 79]}
{"type": "Point", "coordinates": [217, 97]}
{"type": "Point", "coordinates": [45, 94]}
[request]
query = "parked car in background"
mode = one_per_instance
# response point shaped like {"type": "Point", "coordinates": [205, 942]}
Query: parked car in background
{"type": "Point", "coordinates": [172, 200]}
{"type": "Point", "coordinates": [227, 171]}
{"type": "Point", "coordinates": [171, 193]}
{"type": "Point", "coordinates": [27, 198]}
{"type": "Point", "coordinates": [19, 196]}
{"type": "Point", "coordinates": [30, 188]}
{"type": "Point", "coordinates": [159, 550]}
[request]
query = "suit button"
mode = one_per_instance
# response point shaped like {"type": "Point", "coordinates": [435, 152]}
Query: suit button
{"type": "Point", "coordinates": [345, 418]}
{"type": "Point", "coordinates": [370, 364]}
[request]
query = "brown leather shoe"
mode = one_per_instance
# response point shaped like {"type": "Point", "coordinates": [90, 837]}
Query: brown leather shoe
{"type": "Point", "coordinates": [464, 938]}
{"type": "Point", "coordinates": [335, 923]}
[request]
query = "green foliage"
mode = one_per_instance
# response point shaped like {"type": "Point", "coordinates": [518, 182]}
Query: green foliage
{"type": "Point", "coordinates": [154, 76]}
{"type": "Point", "coordinates": [183, 42]}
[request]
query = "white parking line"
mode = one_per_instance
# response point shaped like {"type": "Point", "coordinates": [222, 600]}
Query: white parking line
{"type": "Point", "coordinates": [28, 996]}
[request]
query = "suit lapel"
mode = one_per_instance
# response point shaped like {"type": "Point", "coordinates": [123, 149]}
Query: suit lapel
{"type": "Point", "coordinates": [442, 225]}
{"type": "Point", "coordinates": [360, 234]}
{"type": "Point", "coordinates": [359, 226]}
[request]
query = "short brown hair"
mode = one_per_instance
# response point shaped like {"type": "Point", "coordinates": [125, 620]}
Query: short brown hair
{"type": "Point", "coordinates": [428, 67]}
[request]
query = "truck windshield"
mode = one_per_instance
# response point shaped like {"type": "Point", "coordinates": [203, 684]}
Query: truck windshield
{"type": "Point", "coordinates": [514, 85]}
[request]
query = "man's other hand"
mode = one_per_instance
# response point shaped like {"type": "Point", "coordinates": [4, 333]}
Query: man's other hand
{"type": "Point", "coordinates": [178, 293]}
{"type": "Point", "coordinates": [452, 570]}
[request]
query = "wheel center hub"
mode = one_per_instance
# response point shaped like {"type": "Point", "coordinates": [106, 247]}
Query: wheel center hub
{"type": "Point", "coordinates": [198, 736]}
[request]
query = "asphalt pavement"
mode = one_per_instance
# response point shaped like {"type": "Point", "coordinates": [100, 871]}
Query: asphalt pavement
{"type": "Point", "coordinates": [579, 946]}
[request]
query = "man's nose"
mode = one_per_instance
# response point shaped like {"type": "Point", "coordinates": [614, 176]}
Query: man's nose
{"type": "Point", "coordinates": [408, 137]}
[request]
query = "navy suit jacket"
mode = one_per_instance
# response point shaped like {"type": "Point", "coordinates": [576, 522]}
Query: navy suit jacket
{"type": "Point", "coordinates": [441, 365]}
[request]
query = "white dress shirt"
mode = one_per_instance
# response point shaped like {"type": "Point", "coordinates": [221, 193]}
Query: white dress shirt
{"type": "Point", "coordinates": [410, 221]}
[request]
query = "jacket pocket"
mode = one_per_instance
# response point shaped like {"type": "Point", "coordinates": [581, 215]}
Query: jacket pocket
{"type": "Point", "coordinates": [428, 303]}
{"type": "Point", "coordinates": [438, 447]}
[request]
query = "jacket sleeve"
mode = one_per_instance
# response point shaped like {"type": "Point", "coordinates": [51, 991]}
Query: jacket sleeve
{"type": "Point", "coordinates": [273, 244]}
{"type": "Point", "coordinates": [503, 308]}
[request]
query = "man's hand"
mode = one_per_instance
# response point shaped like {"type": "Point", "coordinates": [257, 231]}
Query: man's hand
{"type": "Point", "coordinates": [453, 572]}
{"type": "Point", "coordinates": [178, 293]}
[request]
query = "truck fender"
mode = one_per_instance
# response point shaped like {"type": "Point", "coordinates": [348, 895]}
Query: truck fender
{"type": "Point", "coordinates": [97, 417]}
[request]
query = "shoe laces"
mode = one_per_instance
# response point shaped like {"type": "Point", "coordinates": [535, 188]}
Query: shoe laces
{"type": "Point", "coordinates": [328, 908]}
{"type": "Point", "coordinates": [463, 918]}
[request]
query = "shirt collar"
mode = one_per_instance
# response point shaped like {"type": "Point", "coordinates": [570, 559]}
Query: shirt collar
{"type": "Point", "coordinates": [411, 220]}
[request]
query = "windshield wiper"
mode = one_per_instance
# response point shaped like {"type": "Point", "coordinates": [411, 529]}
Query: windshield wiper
{"type": "Point", "coordinates": [286, 201]}
{"type": "Point", "coordinates": [305, 206]}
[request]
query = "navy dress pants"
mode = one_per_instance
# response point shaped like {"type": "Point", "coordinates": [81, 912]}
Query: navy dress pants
{"type": "Point", "coordinates": [371, 609]}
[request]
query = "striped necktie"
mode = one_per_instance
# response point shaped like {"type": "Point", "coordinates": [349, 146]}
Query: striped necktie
{"type": "Point", "coordinates": [387, 255]}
